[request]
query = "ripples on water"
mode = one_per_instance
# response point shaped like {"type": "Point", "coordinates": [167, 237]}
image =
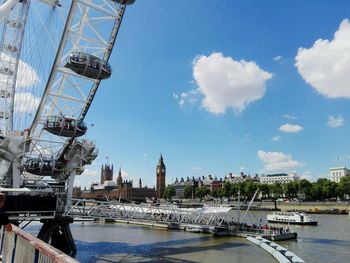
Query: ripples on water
{"type": "Point", "coordinates": [327, 242]}
{"type": "Point", "coordinates": [126, 243]}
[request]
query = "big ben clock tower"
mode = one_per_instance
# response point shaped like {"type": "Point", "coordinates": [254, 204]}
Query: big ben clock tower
{"type": "Point", "coordinates": [160, 186]}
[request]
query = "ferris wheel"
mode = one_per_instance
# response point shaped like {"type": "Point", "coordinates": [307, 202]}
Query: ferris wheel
{"type": "Point", "coordinates": [53, 57]}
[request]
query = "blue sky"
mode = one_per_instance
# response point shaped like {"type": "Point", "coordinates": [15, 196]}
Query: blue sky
{"type": "Point", "coordinates": [226, 86]}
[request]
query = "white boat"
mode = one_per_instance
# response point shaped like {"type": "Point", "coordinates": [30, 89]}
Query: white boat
{"type": "Point", "coordinates": [297, 218]}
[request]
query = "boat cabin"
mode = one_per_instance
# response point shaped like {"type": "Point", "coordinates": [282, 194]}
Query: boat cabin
{"type": "Point", "coordinates": [88, 65]}
{"type": "Point", "coordinates": [64, 126]}
{"type": "Point", "coordinates": [43, 166]}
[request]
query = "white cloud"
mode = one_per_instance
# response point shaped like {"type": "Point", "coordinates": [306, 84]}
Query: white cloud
{"type": "Point", "coordinates": [290, 128]}
{"type": "Point", "coordinates": [27, 76]}
{"type": "Point", "coordinates": [86, 178]}
{"type": "Point", "coordinates": [326, 65]}
{"type": "Point", "coordinates": [189, 97]}
{"type": "Point", "coordinates": [290, 116]}
{"type": "Point", "coordinates": [247, 137]}
{"type": "Point", "coordinates": [276, 138]}
{"type": "Point", "coordinates": [308, 176]}
{"type": "Point", "coordinates": [226, 83]}
{"type": "Point", "coordinates": [335, 122]}
{"type": "Point", "coordinates": [277, 161]}
{"type": "Point", "coordinates": [26, 102]}
{"type": "Point", "coordinates": [277, 58]}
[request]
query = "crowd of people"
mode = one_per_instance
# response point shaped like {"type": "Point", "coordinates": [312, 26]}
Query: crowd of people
{"type": "Point", "coordinates": [260, 229]}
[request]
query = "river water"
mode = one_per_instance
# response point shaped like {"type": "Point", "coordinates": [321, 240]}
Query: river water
{"type": "Point", "coordinates": [99, 242]}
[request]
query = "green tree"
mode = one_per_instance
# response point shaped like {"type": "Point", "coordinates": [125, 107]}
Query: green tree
{"type": "Point", "coordinates": [344, 185]}
{"type": "Point", "coordinates": [305, 189]}
{"type": "Point", "coordinates": [291, 190]}
{"type": "Point", "coordinates": [277, 190]}
{"type": "Point", "coordinates": [250, 189]}
{"type": "Point", "coordinates": [169, 192]}
{"type": "Point", "coordinates": [234, 189]}
{"type": "Point", "coordinates": [215, 193]}
{"type": "Point", "coordinates": [340, 192]}
{"type": "Point", "coordinates": [221, 193]}
{"type": "Point", "coordinates": [202, 192]}
{"type": "Point", "coordinates": [316, 191]}
{"type": "Point", "coordinates": [265, 190]}
{"type": "Point", "coordinates": [227, 189]}
{"type": "Point", "coordinates": [188, 191]}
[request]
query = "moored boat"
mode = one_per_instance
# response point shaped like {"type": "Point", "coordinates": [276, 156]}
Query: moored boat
{"type": "Point", "coordinates": [297, 218]}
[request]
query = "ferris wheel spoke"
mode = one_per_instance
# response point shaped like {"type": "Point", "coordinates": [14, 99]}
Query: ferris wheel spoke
{"type": "Point", "coordinates": [54, 100]}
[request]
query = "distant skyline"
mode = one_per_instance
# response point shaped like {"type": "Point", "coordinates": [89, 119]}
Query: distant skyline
{"type": "Point", "coordinates": [253, 86]}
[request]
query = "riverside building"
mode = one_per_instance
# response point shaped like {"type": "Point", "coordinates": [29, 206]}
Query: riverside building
{"type": "Point", "coordinates": [282, 178]}
{"type": "Point", "coordinates": [337, 173]}
{"type": "Point", "coordinates": [123, 189]}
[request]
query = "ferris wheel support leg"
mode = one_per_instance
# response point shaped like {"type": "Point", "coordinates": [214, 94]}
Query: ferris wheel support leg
{"type": "Point", "coordinates": [70, 186]}
{"type": "Point", "coordinates": [16, 175]}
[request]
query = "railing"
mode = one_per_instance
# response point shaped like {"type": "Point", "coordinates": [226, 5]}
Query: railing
{"type": "Point", "coordinates": [20, 246]}
{"type": "Point", "coordinates": [114, 210]}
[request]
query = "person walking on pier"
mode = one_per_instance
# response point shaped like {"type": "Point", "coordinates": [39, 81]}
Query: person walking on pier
{"type": "Point", "coordinates": [4, 219]}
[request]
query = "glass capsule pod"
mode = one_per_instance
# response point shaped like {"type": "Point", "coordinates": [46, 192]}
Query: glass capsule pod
{"type": "Point", "coordinates": [125, 2]}
{"type": "Point", "coordinates": [64, 126]}
{"type": "Point", "coordinates": [43, 166]}
{"type": "Point", "coordinates": [88, 65]}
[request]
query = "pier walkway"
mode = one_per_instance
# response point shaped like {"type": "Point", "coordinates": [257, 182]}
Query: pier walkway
{"type": "Point", "coordinates": [213, 217]}
{"type": "Point", "coordinates": [214, 220]}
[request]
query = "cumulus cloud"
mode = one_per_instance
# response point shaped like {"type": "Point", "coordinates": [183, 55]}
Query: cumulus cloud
{"type": "Point", "coordinates": [308, 176]}
{"type": "Point", "coordinates": [290, 128]}
{"type": "Point", "coordinates": [189, 97]}
{"type": "Point", "coordinates": [27, 76]}
{"type": "Point", "coordinates": [326, 65]}
{"type": "Point", "coordinates": [335, 122]}
{"type": "Point", "coordinates": [247, 137]}
{"type": "Point", "coordinates": [86, 178]}
{"type": "Point", "coordinates": [276, 138]}
{"type": "Point", "coordinates": [277, 58]}
{"type": "Point", "coordinates": [277, 161]}
{"type": "Point", "coordinates": [26, 102]}
{"type": "Point", "coordinates": [226, 83]}
{"type": "Point", "coordinates": [290, 116]}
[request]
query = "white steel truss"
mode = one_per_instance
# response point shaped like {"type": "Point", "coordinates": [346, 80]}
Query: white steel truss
{"type": "Point", "coordinates": [92, 27]}
{"type": "Point", "coordinates": [114, 210]}
{"type": "Point", "coordinates": [10, 50]}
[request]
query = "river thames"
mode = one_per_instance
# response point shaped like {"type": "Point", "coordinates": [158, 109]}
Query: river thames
{"type": "Point", "coordinates": [100, 242]}
{"type": "Point", "coordinates": [327, 242]}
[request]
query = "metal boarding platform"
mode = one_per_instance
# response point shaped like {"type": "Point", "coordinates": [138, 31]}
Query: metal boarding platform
{"type": "Point", "coordinates": [162, 214]}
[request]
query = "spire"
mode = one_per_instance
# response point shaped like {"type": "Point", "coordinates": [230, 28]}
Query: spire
{"type": "Point", "coordinates": [140, 183]}
{"type": "Point", "coordinates": [161, 163]}
{"type": "Point", "coordinates": [119, 178]}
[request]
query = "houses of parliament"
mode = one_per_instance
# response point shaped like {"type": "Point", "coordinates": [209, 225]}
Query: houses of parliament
{"type": "Point", "coordinates": [123, 189]}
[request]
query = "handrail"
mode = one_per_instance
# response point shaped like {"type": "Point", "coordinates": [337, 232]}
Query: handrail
{"type": "Point", "coordinates": [20, 246]}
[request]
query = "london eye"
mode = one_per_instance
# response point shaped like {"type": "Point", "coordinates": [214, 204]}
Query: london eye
{"type": "Point", "coordinates": [53, 57]}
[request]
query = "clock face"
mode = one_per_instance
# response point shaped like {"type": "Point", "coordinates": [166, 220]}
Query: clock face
{"type": "Point", "coordinates": [163, 170]}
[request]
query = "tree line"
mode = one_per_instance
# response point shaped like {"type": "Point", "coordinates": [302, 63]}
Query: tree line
{"type": "Point", "coordinates": [321, 190]}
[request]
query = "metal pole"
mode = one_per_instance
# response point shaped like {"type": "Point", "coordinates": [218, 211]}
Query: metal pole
{"type": "Point", "coordinates": [239, 202]}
